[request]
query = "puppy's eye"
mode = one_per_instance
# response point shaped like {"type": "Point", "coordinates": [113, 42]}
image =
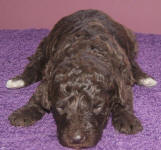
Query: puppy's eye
{"type": "Point", "coordinates": [97, 109]}
{"type": "Point", "coordinates": [68, 89]}
{"type": "Point", "coordinates": [60, 110]}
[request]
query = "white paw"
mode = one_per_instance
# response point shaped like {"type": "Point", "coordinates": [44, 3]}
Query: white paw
{"type": "Point", "coordinates": [15, 84]}
{"type": "Point", "coordinates": [148, 82]}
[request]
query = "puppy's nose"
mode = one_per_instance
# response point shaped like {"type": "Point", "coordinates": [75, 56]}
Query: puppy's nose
{"type": "Point", "coordinates": [78, 138]}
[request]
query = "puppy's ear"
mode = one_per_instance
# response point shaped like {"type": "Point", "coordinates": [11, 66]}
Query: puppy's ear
{"type": "Point", "coordinates": [123, 84]}
{"type": "Point", "coordinates": [45, 102]}
{"type": "Point", "coordinates": [123, 93]}
{"type": "Point", "coordinates": [42, 95]}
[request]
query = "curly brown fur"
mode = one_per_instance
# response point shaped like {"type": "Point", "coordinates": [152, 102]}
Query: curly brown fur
{"type": "Point", "coordinates": [87, 67]}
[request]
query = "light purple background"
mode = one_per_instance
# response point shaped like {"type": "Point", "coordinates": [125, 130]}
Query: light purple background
{"type": "Point", "coordinates": [139, 15]}
{"type": "Point", "coordinates": [16, 45]}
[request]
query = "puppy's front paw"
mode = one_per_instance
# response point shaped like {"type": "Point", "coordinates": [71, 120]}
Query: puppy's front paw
{"type": "Point", "coordinates": [15, 83]}
{"type": "Point", "coordinates": [24, 117]}
{"type": "Point", "coordinates": [127, 123]}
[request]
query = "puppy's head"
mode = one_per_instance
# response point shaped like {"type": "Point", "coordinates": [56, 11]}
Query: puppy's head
{"type": "Point", "coordinates": [81, 111]}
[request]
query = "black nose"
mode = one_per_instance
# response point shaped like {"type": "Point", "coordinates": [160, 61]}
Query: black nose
{"type": "Point", "coordinates": [78, 138]}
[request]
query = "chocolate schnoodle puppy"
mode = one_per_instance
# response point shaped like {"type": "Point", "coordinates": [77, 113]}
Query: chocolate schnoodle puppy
{"type": "Point", "coordinates": [87, 68]}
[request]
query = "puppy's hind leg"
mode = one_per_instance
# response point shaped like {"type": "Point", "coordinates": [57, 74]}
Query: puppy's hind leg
{"type": "Point", "coordinates": [140, 77]}
{"type": "Point", "coordinates": [34, 110]}
{"type": "Point", "coordinates": [131, 48]}
{"type": "Point", "coordinates": [33, 70]}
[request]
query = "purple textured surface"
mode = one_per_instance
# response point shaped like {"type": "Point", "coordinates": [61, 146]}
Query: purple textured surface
{"type": "Point", "coordinates": [16, 45]}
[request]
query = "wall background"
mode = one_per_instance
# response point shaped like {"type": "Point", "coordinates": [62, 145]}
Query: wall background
{"type": "Point", "coordinates": [139, 15]}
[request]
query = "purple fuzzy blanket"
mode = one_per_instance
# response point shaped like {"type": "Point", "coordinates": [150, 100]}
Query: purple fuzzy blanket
{"type": "Point", "coordinates": [16, 45]}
